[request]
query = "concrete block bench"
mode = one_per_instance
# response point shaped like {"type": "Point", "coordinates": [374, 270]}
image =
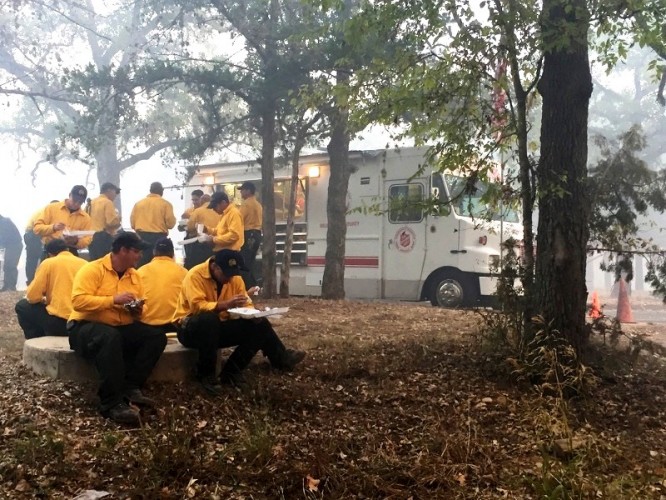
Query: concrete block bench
{"type": "Point", "coordinates": [52, 357]}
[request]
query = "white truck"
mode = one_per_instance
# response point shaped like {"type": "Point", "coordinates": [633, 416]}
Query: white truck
{"type": "Point", "coordinates": [405, 250]}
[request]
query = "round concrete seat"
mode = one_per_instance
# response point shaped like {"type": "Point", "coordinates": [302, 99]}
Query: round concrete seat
{"type": "Point", "coordinates": [52, 357]}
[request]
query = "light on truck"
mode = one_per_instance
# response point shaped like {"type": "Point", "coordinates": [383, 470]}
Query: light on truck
{"type": "Point", "coordinates": [483, 240]}
{"type": "Point", "coordinates": [313, 171]}
{"type": "Point", "coordinates": [209, 180]}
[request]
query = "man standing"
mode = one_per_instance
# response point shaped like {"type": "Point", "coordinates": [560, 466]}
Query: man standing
{"type": "Point", "coordinates": [209, 291]}
{"type": "Point", "coordinates": [192, 250]}
{"type": "Point", "coordinates": [105, 220]}
{"type": "Point", "coordinates": [10, 240]}
{"type": "Point", "coordinates": [198, 252]}
{"type": "Point", "coordinates": [229, 231]}
{"type": "Point", "coordinates": [196, 203]}
{"type": "Point", "coordinates": [252, 212]}
{"type": "Point", "coordinates": [152, 218]}
{"type": "Point", "coordinates": [48, 301]}
{"type": "Point", "coordinates": [104, 328]}
{"type": "Point", "coordinates": [60, 217]}
{"type": "Point", "coordinates": [162, 280]}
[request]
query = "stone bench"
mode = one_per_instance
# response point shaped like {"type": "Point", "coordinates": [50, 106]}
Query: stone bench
{"type": "Point", "coordinates": [52, 357]}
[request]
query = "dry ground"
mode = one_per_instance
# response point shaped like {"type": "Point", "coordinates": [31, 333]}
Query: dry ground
{"type": "Point", "coordinates": [393, 401]}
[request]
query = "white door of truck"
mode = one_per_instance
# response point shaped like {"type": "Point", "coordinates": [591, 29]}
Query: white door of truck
{"type": "Point", "coordinates": [404, 239]}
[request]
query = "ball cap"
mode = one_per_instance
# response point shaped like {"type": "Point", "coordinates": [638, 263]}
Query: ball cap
{"type": "Point", "coordinates": [230, 261]}
{"type": "Point", "coordinates": [164, 245]}
{"type": "Point", "coordinates": [217, 198]}
{"type": "Point", "coordinates": [128, 239]}
{"type": "Point", "coordinates": [79, 193]}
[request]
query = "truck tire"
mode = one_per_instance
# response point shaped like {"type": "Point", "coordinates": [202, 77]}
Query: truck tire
{"type": "Point", "coordinates": [451, 289]}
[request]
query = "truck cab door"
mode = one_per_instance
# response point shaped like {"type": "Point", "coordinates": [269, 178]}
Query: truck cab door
{"type": "Point", "coordinates": [404, 238]}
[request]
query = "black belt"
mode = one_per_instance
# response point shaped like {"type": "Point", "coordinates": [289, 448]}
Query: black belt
{"type": "Point", "coordinates": [253, 231]}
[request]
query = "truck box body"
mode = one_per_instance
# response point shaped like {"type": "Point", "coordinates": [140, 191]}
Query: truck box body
{"type": "Point", "coordinates": [397, 247]}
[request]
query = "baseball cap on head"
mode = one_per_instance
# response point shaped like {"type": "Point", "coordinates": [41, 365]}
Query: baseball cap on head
{"type": "Point", "coordinates": [164, 245]}
{"type": "Point", "coordinates": [79, 193]}
{"type": "Point", "coordinates": [217, 198]}
{"type": "Point", "coordinates": [129, 239]}
{"type": "Point", "coordinates": [249, 186]}
{"type": "Point", "coordinates": [230, 261]}
{"type": "Point", "coordinates": [55, 246]}
{"type": "Point", "coordinates": [108, 186]}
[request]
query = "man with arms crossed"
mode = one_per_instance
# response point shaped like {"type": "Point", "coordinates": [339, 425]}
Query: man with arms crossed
{"type": "Point", "coordinates": [104, 328]}
{"type": "Point", "coordinates": [252, 212]}
{"type": "Point", "coordinates": [105, 220]}
{"type": "Point", "coordinates": [151, 218]}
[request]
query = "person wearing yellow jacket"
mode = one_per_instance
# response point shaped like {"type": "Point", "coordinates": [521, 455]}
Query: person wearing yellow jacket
{"type": "Point", "coordinates": [58, 218]}
{"type": "Point", "coordinates": [197, 252]}
{"type": "Point", "coordinates": [162, 280]}
{"type": "Point", "coordinates": [48, 300]}
{"type": "Point", "coordinates": [105, 328]}
{"type": "Point", "coordinates": [151, 218]}
{"type": "Point", "coordinates": [252, 213]}
{"type": "Point", "coordinates": [105, 220]}
{"type": "Point", "coordinates": [203, 323]}
{"type": "Point", "coordinates": [229, 231]}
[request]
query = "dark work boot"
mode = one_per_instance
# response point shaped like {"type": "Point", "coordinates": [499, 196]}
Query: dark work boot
{"type": "Point", "coordinates": [211, 385]}
{"type": "Point", "coordinates": [233, 379]}
{"type": "Point", "coordinates": [122, 413]}
{"type": "Point", "coordinates": [289, 359]}
{"type": "Point", "coordinates": [135, 396]}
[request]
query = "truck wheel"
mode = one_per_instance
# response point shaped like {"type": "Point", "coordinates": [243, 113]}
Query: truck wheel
{"type": "Point", "coordinates": [451, 289]}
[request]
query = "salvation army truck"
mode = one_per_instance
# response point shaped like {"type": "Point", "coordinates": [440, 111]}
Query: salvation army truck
{"type": "Point", "coordinates": [398, 246]}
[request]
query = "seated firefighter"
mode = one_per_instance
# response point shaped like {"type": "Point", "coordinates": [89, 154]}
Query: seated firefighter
{"type": "Point", "coordinates": [203, 323]}
{"type": "Point", "coordinates": [104, 328]}
{"type": "Point", "coordinates": [162, 280]}
{"type": "Point", "coordinates": [48, 300]}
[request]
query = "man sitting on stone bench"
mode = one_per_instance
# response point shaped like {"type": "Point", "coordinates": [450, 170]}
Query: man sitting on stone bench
{"type": "Point", "coordinates": [48, 301]}
{"type": "Point", "coordinates": [203, 323]}
{"type": "Point", "coordinates": [105, 328]}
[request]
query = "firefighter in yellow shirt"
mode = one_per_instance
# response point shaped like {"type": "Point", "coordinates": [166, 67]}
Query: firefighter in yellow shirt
{"type": "Point", "coordinates": [202, 321]}
{"type": "Point", "coordinates": [162, 279]}
{"type": "Point", "coordinates": [252, 212]}
{"type": "Point", "coordinates": [58, 218]}
{"type": "Point", "coordinates": [48, 300]}
{"type": "Point", "coordinates": [197, 252]}
{"type": "Point", "coordinates": [105, 220]}
{"type": "Point", "coordinates": [151, 218]}
{"type": "Point", "coordinates": [229, 231]}
{"type": "Point", "coordinates": [104, 328]}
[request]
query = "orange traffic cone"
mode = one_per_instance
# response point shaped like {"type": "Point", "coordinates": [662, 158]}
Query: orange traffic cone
{"type": "Point", "coordinates": [595, 308]}
{"type": "Point", "coordinates": [624, 312]}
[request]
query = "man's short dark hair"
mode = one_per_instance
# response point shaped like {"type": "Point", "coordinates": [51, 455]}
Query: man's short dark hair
{"type": "Point", "coordinates": [109, 186]}
{"type": "Point", "coordinates": [128, 239]}
{"type": "Point", "coordinates": [55, 246]}
{"type": "Point", "coordinates": [197, 192]}
{"type": "Point", "coordinates": [157, 188]}
{"type": "Point", "coordinates": [249, 186]}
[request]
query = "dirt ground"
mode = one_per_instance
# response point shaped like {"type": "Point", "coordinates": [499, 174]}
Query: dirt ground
{"type": "Point", "coordinates": [393, 401]}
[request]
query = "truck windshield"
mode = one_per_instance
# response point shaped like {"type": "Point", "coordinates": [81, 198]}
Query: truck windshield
{"type": "Point", "coordinates": [471, 201]}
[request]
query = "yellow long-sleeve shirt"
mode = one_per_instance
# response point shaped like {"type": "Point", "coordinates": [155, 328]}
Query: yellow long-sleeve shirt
{"type": "Point", "coordinates": [252, 212]}
{"type": "Point", "coordinates": [94, 287]}
{"type": "Point", "coordinates": [199, 293]}
{"type": "Point", "coordinates": [33, 218]}
{"type": "Point", "coordinates": [153, 214]}
{"type": "Point", "coordinates": [162, 279]}
{"type": "Point", "coordinates": [74, 221]}
{"type": "Point", "coordinates": [229, 231]}
{"type": "Point", "coordinates": [202, 215]}
{"type": "Point", "coordinates": [103, 215]}
{"type": "Point", "coordinates": [53, 283]}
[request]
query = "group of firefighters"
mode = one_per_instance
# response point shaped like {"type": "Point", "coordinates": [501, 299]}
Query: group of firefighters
{"type": "Point", "coordinates": [118, 307]}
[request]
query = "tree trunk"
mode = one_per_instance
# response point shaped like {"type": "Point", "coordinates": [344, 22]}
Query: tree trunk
{"type": "Point", "coordinates": [333, 282]}
{"type": "Point", "coordinates": [291, 211]}
{"type": "Point", "coordinates": [268, 260]}
{"type": "Point", "coordinates": [566, 86]}
{"type": "Point", "coordinates": [108, 168]}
